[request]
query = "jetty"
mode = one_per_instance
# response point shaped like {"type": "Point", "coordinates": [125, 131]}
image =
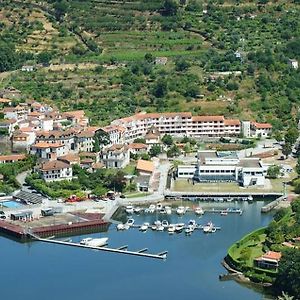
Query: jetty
{"type": "Point", "coordinates": [273, 204]}
{"type": "Point", "coordinates": [120, 250]}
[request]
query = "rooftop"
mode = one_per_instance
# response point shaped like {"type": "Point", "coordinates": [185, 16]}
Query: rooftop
{"type": "Point", "coordinates": [145, 165]}
{"type": "Point", "coordinates": [54, 165]}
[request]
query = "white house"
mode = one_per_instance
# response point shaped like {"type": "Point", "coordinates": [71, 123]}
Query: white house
{"type": "Point", "coordinates": [116, 156]}
{"type": "Point", "coordinates": [48, 151]}
{"type": "Point", "coordinates": [260, 129]}
{"type": "Point", "coordinates": [56, 171]}
{"type": "Point", "coordinates": [294, 63]}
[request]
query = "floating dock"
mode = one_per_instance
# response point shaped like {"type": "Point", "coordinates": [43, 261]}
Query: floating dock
{"type": "Point", "coordinates": [120, 250]}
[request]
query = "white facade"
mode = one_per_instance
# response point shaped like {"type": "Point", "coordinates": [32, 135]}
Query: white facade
{"type": "Point", "coordinates": [116, 156]}
{"type": "Point", "coordinates": [246, 129]}
{"type": "Point", "coordinates": [48, 151]}
{"type": "Point", "coordinates": [214, 168]}
{"type": "Point", "coordinates": [56, 171]}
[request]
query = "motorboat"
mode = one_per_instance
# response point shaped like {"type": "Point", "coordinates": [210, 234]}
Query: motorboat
{"type": "Point", "coordinates": [250, 198]}
{"type": "Point", "coordinates": [189, 230]}
{"type": "Point", "coordinates": [230, 199]}
{"type": "Point", "coordinates": [160, 228]}
{"type": "Point", "coordinates": [224, 213]}
{"type": "Point", "coordinates": [159, 206]}
{"type": "Point", "coordinates": [85, 241]}
{"type": "Point", "coordinates": [130, 222]}
{"type": "Point", "coordinates": [168, 210]}
{"type": "Point", "coordinates": [208, 227]}
{"type": "Point", "coordinates": [171, 229]}
{"type": "Point", "coordinates": [180, 210]}
{"type": "Point", "coordinates": [137, 210]}
{"type": "Point", "coordinates": [156, 224]}
{"type": "Point", "coordinates": [199, 211]}
{"type": "Point", "coordinates": [129, 209]}
{"type": "Point", "coordinates": [121, 226]}
{"type": "Point", "coordinates": [151, 209]}
{"type": "Point", "coordinates": [192, 223]}
{"type": "Point", "coordinates": [162, 211]}
{"type": "Point", "coordinates": [179, 227]}
{"type": "Point", "coordinates": [144, 227]}
{"type": "Point", "coordinates": [94, 242]}
{"type": "Point", "coordinates": [165, 223]}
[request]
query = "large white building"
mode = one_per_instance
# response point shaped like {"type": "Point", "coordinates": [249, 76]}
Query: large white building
{"type": "Point", "coordinates": [56, 170]}
{"type": "Point", "coordinates": [181, 124]}
{"type": "Point", "coordinates": [214, 166]}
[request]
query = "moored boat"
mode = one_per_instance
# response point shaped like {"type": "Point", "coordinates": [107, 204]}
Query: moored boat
{"type": "Point", "coordinates": [129, 209]}
{"type": "Point", "coordinates": [144, 227]}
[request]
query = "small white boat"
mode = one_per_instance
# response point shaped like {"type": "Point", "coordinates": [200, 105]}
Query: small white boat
{"type": "Point", "coordinates": [144, 227]}
{"type": "Point", "coordinates": [168, 210]}
{"type": "Point", "coordinates": [151, 209]}
{"type": "Point", "coordinates": [208, 227]}
{"type": "Point", "coordinates": [163, 211]}
{"type": "Point", "coordinates": [129, 209]}
{"type": "Point", "coordinates": [85, 241]}
{"type": "Point", "coordinates": [94, 242]}
{"type": "Point", "coordinates": [189, 230]}
{"type": "Point", "coordinates": [171, 229]}
{"type": "Point", "coordinates": [137, 210]}
{"type": "Point", "coordinates": [192, 223]}
{"type": "Point", "coordinates": [229, 199]}
{"type": "Point", "coordinates": [199, 211]}
{"type": "Point", "coordinates": [160, 228]}
{"type": "Point", "coordinates": [121, 226]}
{"type": "Point", "coordinates": [180, 210]}
{"type": "Point", "coordinates": [224, 213]}
{"type": "Point", "coordinates": [249, 198]}
{"type": "Point", "coordinates": [179, 227]}
{"type": "Point", "coordinates": [159, 206]}
{"type": "Point", "coordinates": [165, 223]}
{"type": "Point", "coordinates": [130, 222]}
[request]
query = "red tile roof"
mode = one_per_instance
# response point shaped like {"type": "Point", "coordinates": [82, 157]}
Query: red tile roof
{"type": "Point", "coordinates": [208, 118]}
{"type": "Point", "coordinates": [54, 165]}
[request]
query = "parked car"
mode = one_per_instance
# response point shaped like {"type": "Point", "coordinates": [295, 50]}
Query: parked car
{"type": "Point", "coordinates": [2, 215]}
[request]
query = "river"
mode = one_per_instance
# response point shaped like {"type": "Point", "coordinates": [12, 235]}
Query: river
{"type": "Point", "coordinates": [47, 271]}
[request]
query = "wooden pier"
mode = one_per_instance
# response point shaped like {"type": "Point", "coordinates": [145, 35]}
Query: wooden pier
{"type": "Point", "coordinates": [120, 250]}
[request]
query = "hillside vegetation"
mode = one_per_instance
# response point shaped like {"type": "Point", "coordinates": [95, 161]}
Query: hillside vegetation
{"type": "Point", "coordinates": [103, 55]}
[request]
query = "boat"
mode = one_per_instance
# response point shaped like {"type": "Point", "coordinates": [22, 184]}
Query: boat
{"type": "Point", "coordinates": [199, 211]}
{"type": "Point", "coordinates": [179, 227]}
{"type": "Point", "coordinates": [151, 208]}
{"type": "Point", "coordinates": [165, 223]}
{"type": "Point", "coordinates": [156, 224]}
{"type": "Point", "coordinates": [130, 222]}
{"type": "Point", "coordinates": [230, 199]}
{"type": "Point", "coordinates": [137, 210]}
{"type": "Point", "coordinates": [171, 229]}
{"type": "Point", "coordinates": [192, 223]}
{"type": "Point", "coordinates": [168, 210]}
{"type": "Point", "coordinates": [208, 227]}
{"type": "Point", "coordinates": [94, 242]}
{"type": "Point", "coordinates": [129, 209]}
{"type": "Point", "coordinates": [224, 213]}
{"type": "Point", "coordinates": [159, 206]}
{"type": "Point", "coordinates": [189, 230]}
{"type": "Point", "coordinates": [160, 228]}
{"type": "Point", "coordinates": [180, 210]}
{"type": "Point", "coordinates": [85, 241]}
{"type": "Point", "coordinates": [163, 211]}
{"type": "Point", "coordinates": [144, 227]}
{"type": "Point", "coordinates": [250, 198]}
{"type": "Point", "coordinates": [121, 226]}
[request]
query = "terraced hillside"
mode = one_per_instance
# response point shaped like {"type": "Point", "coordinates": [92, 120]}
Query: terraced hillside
{"type": "Point", "coordinates": [229, 57]}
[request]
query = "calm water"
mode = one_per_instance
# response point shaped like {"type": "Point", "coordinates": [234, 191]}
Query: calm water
{"type": "Point", "coordinates": [46, 271]}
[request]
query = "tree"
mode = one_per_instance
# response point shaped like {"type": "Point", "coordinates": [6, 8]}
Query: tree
{"type": "Point", "coordinates": [298, 166]}
{"type": "Point", "coordinates": [170, 8]}
{"type": "Point", "coordinates": [60, 7]}
{"type": "Point", "coordinates": [286, 149]}
{"type": "Point", "coordinates": [140, 140]}
{"type": "Point", "coordinates": [167, 139]}
{"type": "Point", "coordinates": [181, 65]}
{"type": "Point", "coordinates": [291, 135]}
{"type": "Point", "coordinates": [101, 138]}
{"type": "Point", "coordinates": [44, 57]}
{"type": "Point", "coordinates": [160, 89]}
{"type": "Point", "coordinates": [288, 276]}
{"type": "Point", "coordinates": [155, 150]}
{"type": "Point", "coordinates": [273, 171]}
{"type": "Point", "coordinates": [173, 151]}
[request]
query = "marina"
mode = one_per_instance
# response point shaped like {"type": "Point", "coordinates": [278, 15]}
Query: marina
{"type": "Point", "coordinates": [197, 256]}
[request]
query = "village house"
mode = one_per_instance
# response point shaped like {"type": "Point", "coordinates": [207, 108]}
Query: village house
{"type": "Point", "coordinates": [260, 129]}
{"type": "Point", "coordinates": [10, 93]}
{"type": "Point", "coordinates": [145, 171]}
{"type": "Point", "coordinates": [21, 141]}
{"type": "Point", "coordinates": [5, 102]}
{"type": "Point", "coordinates": [18, 113]}
{"type": "Point", "coordinates": [115, 134]}
{"type": "Point", "coordinates": [269, 260]}
{"type": "Point", "coordinates": [152, 137]}
{"type": "Point", "coordinates": [48, 151]}
{"type": "Point", "coordinates": [85, 140]}
{"type": "Point", "coordinates": [77, 117]}
{"type": "Point", "coordinates": [56, 170]}
{"type": "Point", "coordinates": [138, 148]}
{"type": "Point", "coordinates": [116, 156]}
{"type": "Point", "coordinates": [8, 125]}
{"type": "Point", "coordinates": [71, 159]}
{"type": "Point", "coordinates": [293, 63]}
{"type": "Point", "coordinates": [4, 159]}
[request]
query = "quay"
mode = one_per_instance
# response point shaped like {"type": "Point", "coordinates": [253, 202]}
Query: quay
{"type": "Point", "coordinates": [120, 250]}
{"type": "Point", "coordinates": [202, 196]}
{"type": "Point", "coordinates": [273, 204]}
{"type": "Point", "coordinates": [88, 223]}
